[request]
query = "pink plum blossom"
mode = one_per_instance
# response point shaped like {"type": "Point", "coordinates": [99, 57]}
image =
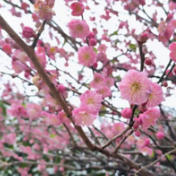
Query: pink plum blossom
{"type": "Point", "coordinates": [63, 117]}
{"type": "Point", "coordinates": [91, 100]}
{"type": "Point", "coordinates": [98, 81]}
{"type": "Point", "coordinates": [156, 96]}
{"type": "Point", "coordinates": [44, 10]}
{"type": "Point", "coordinates": [109, 82]}
{"type": "Point", "coordinates": [78, 28]}
{"type": "Point", "coordinates": [9, 138]}
{"type": "Point", "coordinates": [104, 91]}
{"type": "Point", "coordinates": [33, 110]}
{"type": "Point", "coordinates": [14, 12]}
{"type": "Point", "coordinates": [149, 117]}
{"type": "Point", "coordinates": [24, 6]}
{"type": "Point", "coordinates": [172, 48]}
{"type": "Point", "coordinates": [172, 5]}
{"type": "Point", "coordinates": [102, 48]}
{"type": "Point", "coordinates": [118, 128]}
{"type": "Point", "coordinates": [17, 110]}
{"type": "Point", "coordinates": [135, 87]}
{"type": "Point", "coordinates": [77, 8]}
{"type": "Point", "coordinates": [7, 48]}
{"type": "Point", "coordinates": [83, 117]}
{"type": "Point", "coordinates": [86, 56]}
{"type": "Point", "coordinates": [18, 66]}
{"type": "Point", "coordinates": [51, 119]}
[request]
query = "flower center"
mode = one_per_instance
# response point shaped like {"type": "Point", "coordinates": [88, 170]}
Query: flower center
{"type": "Point", "coordinates": [90, 101]}
{"type": "Point", "coordinates": [135, 87]}
{"type": "Point", "coordinates": [79, 28]}
{"type": "Point", "coordinates": [150, 96]}
{"type": "Point", "coordinates": [86, 56]}
{"type": "Point", "coordinates": [97, 80]}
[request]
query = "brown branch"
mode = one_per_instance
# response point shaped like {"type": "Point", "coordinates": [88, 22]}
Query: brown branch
{"type": "Point", "coordinates": [115, 137]}
{"type": "Point", "coordinates": [38, 35]}
{"type": "Point", "coordinates": [120, 143]}
{"type": "Point", "coordinates": [30, 52]}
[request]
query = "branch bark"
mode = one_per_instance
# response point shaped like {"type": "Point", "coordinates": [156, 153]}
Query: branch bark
{"type": "Point", "coordinates": [31, 54]}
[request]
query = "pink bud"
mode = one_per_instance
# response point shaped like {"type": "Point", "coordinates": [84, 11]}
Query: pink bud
{"type": "Point", "coordinates": [24, 6]}
{"type": "Point", "coordinates": [91, 35]}
{"type": "Point", "coordinates": [165, 84]}
{"type": "Point", "coordinates": [126, 113]}
{"type": "Point", "coordinates": [169, 17]}
{"type": "Point", "coordinates": [160, 135]}
{"type": "Point", "coordinates": [28, 32]}
{"type": "Point", "coordinates": [137, 122]}
{"type": "Point", "coordinates": [137, 133]}
{"type": "Point", "coordinates": [148, 61]}
{"type": "Point", "coordinates": [78, 8]}
{"type": "Point", "coordinates": [92, 42]}
{"type": "Point", "coordinates": [146, 142]}
{"type": "Point", "coordinates": [135, 125]}
{"type": "Point", "coordinates": [7, 49]}
{"type": "Point", "coordinates": [95, 30]}
{"type": "Point", "coordinates": [95, 65]}
{"type": "Point", "coordinates": [143, 38]}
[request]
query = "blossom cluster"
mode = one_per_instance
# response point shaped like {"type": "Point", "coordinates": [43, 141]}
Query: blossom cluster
{"type": "Point", "coordinates": [89, 108]}
{"type": "Point", "coordinates": [139, 90]}
{"type": "Point", "coordinates": [44, 9]}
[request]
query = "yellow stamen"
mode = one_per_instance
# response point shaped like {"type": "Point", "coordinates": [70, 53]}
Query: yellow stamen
{"type": "Point", "coordinates": [135, 87]}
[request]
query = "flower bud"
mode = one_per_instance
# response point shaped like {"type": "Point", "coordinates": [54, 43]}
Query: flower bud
{"type": "Point", "coordinates": [160, 135]}
{"type": "Point", "coordinates": [137, 133]}
{"type": "Point", "coordinates": [165, 83]}
{"type": "Point", "coordinates": [95, 65]}
{"type": "Point", "coordinates": [146, 142]}
{"type": "Point", "coordinates": [91, 35]}
{"type": "Point", "coordinates": [142, 38]}
{"type": "Point", "coordinates": [28, 32]}
{"type": "Point", "coordinates": [148, 61]}
{"type": "Point", "coordinates": [126, 113]}
{"type": "Point", "coordinates": [92, 42]}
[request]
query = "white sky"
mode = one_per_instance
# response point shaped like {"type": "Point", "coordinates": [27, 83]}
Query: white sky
{"type": "Point", "coordinates": [62, 18]}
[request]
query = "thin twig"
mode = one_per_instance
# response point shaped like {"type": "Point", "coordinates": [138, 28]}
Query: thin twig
{"type": "Point", "coordinates": [120, 143]}
{"type": "Point", "coordinates": [38, 35]}
{"type": "Point", "coordinates": [151, 164]}
{"type": "Point", "coordinates": [115, 137]}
